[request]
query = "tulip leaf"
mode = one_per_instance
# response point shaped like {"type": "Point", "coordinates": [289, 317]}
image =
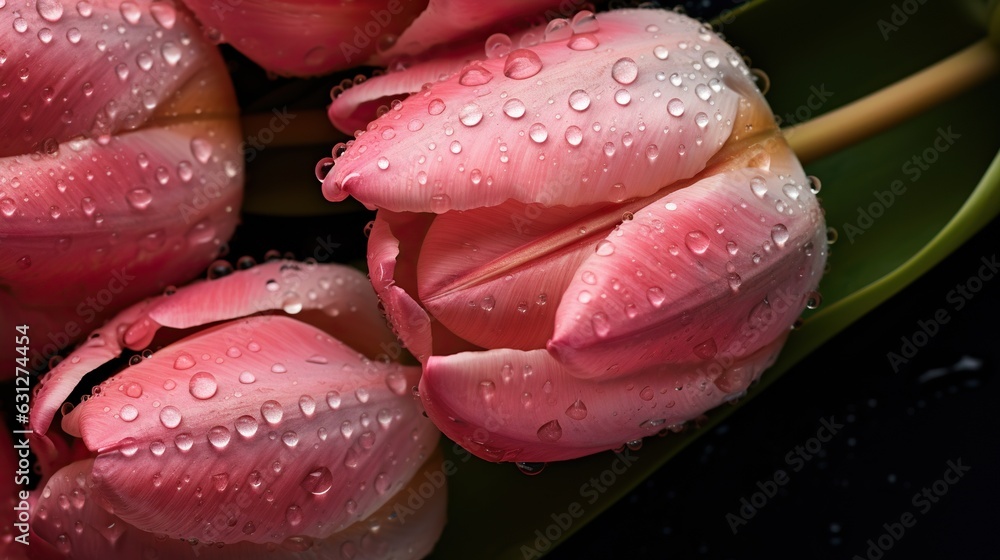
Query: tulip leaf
{"type": "Point", "coordinates": [901, 201]}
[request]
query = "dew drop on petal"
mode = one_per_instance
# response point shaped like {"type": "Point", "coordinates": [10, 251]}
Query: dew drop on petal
{"type": "Point", "coordinates": [514, 108]}
{"type": "Point", "coordinates": [675, 107]}
{"type": "Point", "coordinates": [583, 42]}
{"type": "Point", "coordinates": [779, 233]}
{"type": "Point", "coordinates": [219, 437]}
{"type": "Point", "coordinates": [271, 411]}
{"type": "Point", "coordinates": [538, 133]}
{"type": "Point", "coordinates": [435, 107]}
{"type": "Point", "coordinates": [522, 64]}
{"type": "Point", "coordinates": [550, 432]}
{"type": "Point", "coordinates": [203, 385]}
{"type": "Point", "coordinates": [246, 426]}
{"type": "Point", "coordinates": [318, 481]}
{"type": "Point", "coordinates": [470, 115]}
{"type": "Point", "coordinates": [697, 242]}
{"type": "Point", "coordinates": [577, 410]}
{"type": "Point", "coordinates": [574, 136]}
{"type": "Point", "coordinates": [579, 100]}
{"type": "Point", "coordinates": [624, 71]}
{"type": "Point", "coordinates": [170, 417]}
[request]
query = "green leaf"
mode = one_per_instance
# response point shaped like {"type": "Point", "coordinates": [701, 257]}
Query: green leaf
{"type": "Point", "coordinates": [941, 198]}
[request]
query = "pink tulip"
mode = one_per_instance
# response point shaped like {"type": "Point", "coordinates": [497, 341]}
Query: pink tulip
{"type": "Point", "coordinates": [121, 164]}
{"type": "Point", "coordinates": [597, 237]}
{"type": "Point", "coordinates": [311, 37]}
{"type": "Point", "coordinates": [254, 429]}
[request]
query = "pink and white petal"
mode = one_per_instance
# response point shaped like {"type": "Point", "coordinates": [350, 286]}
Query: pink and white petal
{"type": "Point", "coordinates": [723, 266]}
{"type": "Point", "coordinates": [358, 105]}
{"type": "Point", "coordinates": [98, 534]}
{"type": "Point", "coordinates": [508, 405]}
{"type": "Point", "coordinates": [225, 435]}
{"type": "Point", "coordinates": [124, 170]}
{"type": "Point", "coordinates": [102, 346]}
{"type": "Point", "coordinates": [307, 37]}
{"type": "Point", "coordinates": [447, 21]}
{"type": "Point", "coordinates": [493, 275]}
{"type": "Point", "coordinates": [393, 243]}
{"type": "Point", "coordinates": [347, 306]}
{"type": "Point", "coordinates": [603, 125]}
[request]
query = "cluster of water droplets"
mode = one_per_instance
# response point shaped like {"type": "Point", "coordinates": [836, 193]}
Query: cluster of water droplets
{"type": "Point", "coordinates": [562, 124]}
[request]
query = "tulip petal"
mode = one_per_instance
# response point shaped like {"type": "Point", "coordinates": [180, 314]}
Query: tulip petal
{"type": "Point", "coordinates": [705, 274]}
{"type": "Point", "coordinates": [446, 21]}
{"type": "Point", "coordinates": [555, 125]}
{"type": "Point", "coordinates": [307, 37]}
{"type": "Point", "coordinates": [509, 405]}
{"type": "Point", "coordinates": [342, 295]}
{"type": "Point", "coordinates": [216, 437]}
{"type": "Point", "coordinates": [121, 159]}
{"type": "Point", "coordinates": [339, 297]}
{"type": "Point", "coordinates": [384, 534]}
{"type": "Point", "coordinates": [392, 248]}
{"type": "Point", "coordinates": [488, 274]}
{"type": "Point", "coordinates": [353, 108]}
{"type": "Point", "coordinates": [102, 346]}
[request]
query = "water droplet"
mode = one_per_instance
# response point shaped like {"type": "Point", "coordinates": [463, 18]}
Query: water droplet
{"type": "Point", "coordinates": [435, 107]}
{"type": "Point", "coordinates": [813, 300]}
{"type": "Point", "coordinates": [498, 45]}
{"type": "Point", "coordinates": [652, 152]}
{"type": "Point", "coordinates": [361, 394]}
{"type": "Point", "coordinates": [164, 14]}
{"type": "Point", "coordinates": [514, 108]}
{"type": "Point", "coordinates": [530, 469]}
{"type": "Point", "coordinates": [734, 281]}
{"type": "Point", "coordinates": [50, 10]}
{"type": "Point", "coordinates": [558, 29]}
{"type": "Point", "coordinates": [522, 64]}
{"type": "Point", "coordinates": [170, 417]}
{"type": "Point", "coordinates": [579, 100]}
{"type": "Point", "coordinates": [475, 75]}
{"type": "Point", "coordinates": [609, 149]}
{"type": "Point", "coordinates": [583, 42]}
{"type": "Point", "coordinates": [246, 426]}
{"type": "Point", "coordinates": [293, 515]}
{"type": "Point", "coordinates": [318, 481]}
{"type": "Point", "coordinates": [184, 442]}
{"type": "Point", "coordinates": [130, 12]}
{"type": "Point", "coordinates": [623, 97]}
{"type": "Point", "coordinates": [219, 437]}
{"type": "Point", "coordinates": [383, 163]}
{"type": "Point", "coordinates": [624, 71]}
{"type": "Point", "coordinates": [290, 438]}
{"type": "Point", "coordinates": [470, 115]}
{"type": "Point", "coordinates": [780, 235]}
{"type": "Point", "coordinates": [656, 296]}
{"type": "Point", "coordinates": [333, 400]}
{"type": "Point", "coordinates": [271, 412]}
{"type": "Point", "coordinates": [697, 242]}
{"type": "Point", "coordinates": [128, 413]}
{"type": "Point", "coordinates": [675, 107]}
{"type": "Point", "coordinates": [574, 136]}
{"type": "Point", "coordinates": [601, 324]}
{"type": "Point", "coordinates": [577, 410]}
{"type": "Point", "coordinates": [646, 393]}
{"type": "Point", "coordinates": [710, 59]}
{"type": "Point", "coordinates": [605, 248]}
{"type": "Point", "coordinates": [538, 133]}
{"type": "Point", "coordinates": [203, 385]}
{"type": "Point", "coordinates": [455, 147]}
{"type": "Point", "coordinates": [550, 432]}
{"type": "Point", "coordinates": [661, 52]}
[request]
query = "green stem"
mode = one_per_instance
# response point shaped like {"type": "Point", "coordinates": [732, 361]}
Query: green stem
{"type": "Point", "coordinates": [898, 102]}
